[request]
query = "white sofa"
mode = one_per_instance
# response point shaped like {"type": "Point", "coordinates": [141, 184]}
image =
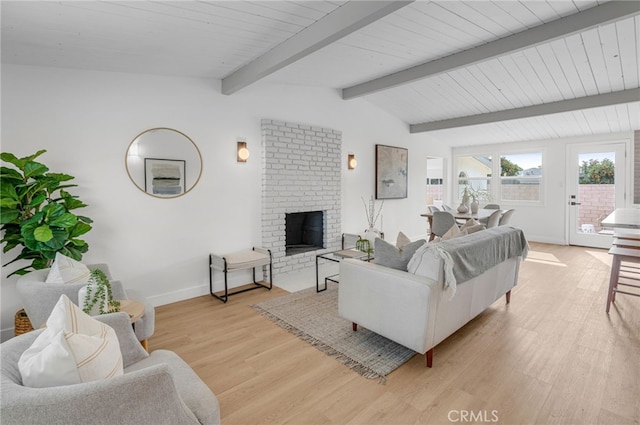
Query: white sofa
{"type": "Point", "coordinates": [420, 311]}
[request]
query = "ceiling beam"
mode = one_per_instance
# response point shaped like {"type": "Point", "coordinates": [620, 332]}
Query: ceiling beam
{"type": "Point", "coordinates": [545, 33]}
{"type": "Point", "coordinates": [587, 102]}
{"type": "Point", "coordinates": [346, 19]}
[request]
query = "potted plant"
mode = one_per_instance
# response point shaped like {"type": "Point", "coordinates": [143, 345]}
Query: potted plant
{"type": "Point", "coordinates": [97, 297]}
{"type": "Point", "coordinates": [36, 213]}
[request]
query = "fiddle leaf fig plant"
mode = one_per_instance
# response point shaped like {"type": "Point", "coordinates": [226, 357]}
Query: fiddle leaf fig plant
{"type": "Point", "coordinates": [36, 213]}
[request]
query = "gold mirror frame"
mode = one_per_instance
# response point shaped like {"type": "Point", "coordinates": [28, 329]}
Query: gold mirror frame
{"type": "Point", "coordinates": [163, 162]}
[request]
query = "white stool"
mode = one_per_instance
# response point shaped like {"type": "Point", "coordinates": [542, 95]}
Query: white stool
{"type": "Point", "coordinates": [248, 259]}
{"type": "Point", "coordinates": [627, 254]}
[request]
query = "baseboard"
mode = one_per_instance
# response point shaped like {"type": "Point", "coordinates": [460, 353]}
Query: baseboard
{"type": "Point", "coordinates": [179, 295]}
{"type": "Point", "coordinates": [6, 334]}
{"type": "Point", "coordinates": [545, 239]}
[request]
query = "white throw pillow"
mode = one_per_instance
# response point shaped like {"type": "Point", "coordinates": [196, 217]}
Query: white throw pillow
{"type": "Point", "coordinates": [469, 223]}
{"type": "Point", "coordinates": [471, 226]}
{"type": "Point", "coordinates": [67, 270]}
{"type": "Point", "coordinates": [74, 348]}
{"type": "Point", "coordinates": [473, 229]}
{"type": "Point", "coordinates": [402, 240]}
{"type": "Point", "coordinates": [453, 232]}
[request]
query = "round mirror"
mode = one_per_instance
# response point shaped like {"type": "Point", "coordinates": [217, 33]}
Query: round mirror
{"type": "Point", "coordinates": [163, 162]}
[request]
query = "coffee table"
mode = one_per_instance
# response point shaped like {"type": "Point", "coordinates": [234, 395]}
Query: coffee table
{"type": "Point", "coordinates": [336, 257]}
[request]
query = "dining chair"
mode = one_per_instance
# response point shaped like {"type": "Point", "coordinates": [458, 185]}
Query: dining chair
{"type": "Point", "coordinates": [433, 208]}
{"type": "Point", "coordinates": [491, 207]}
{"type": "Point", "coordinates": [506, 217]}
{"type": "Point", "coordinates": [442, 222]}
{"type": "Point", "coordinates": [494, 219]}
{"type": "Point", "coordinates": [446, 207]}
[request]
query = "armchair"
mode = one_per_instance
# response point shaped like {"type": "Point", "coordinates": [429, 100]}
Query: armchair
{"type": "Point", "coordinates": [158, 388]}
{"type": "Point", "coordinates": [39, 298]}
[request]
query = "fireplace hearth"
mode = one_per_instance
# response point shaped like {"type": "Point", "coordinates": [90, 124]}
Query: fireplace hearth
{"type": "Point", "coordinates": [304, 231]}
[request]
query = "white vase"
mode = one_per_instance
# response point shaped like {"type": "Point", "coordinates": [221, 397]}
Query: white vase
{"type": "Point", "coordinates": [371, 234]}
{"type": "Point", "coordinates": [462, 208]}
{"type": "Point", "coordinates": [474, 206]}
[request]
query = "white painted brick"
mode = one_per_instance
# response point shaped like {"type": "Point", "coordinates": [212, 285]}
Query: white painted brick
{"type": "Point", "coordinates": [301, 172]}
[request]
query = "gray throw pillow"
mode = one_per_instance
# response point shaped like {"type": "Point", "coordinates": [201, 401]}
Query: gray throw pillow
{"type": "Point", "coordinates": [386, 254]}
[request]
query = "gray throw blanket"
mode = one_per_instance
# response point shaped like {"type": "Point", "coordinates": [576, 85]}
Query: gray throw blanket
{"type": "Point", "coordinates": [469, 256]}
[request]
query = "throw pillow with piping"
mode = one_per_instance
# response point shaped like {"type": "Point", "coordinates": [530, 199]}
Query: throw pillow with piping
{"type": "Point", "coordinates": [74, 348]}
{"type": "Point", "coordinates": [388, 255]}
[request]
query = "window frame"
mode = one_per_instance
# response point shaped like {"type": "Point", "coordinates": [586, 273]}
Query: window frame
{"type": "Point", "coordinates": [495, 181]}
{"type": "Point", "coordinates": [540, 178]}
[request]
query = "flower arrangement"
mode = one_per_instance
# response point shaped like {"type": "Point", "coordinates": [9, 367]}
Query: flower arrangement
{"type": "Point", "coordinates": [478, 194]}
{"type": "Point", "coordinates": [370, 211]}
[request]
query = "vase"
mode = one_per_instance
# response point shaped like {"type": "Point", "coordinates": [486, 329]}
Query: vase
{"type": "Point", "coordinates": [464, 205]}
{"type": "Point", "coordinates": [474, 206]}
{"type": "Point", "coordinates": [371, 234]}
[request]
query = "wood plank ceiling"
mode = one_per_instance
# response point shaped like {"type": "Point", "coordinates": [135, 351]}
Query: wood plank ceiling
{"type": "Point", "coordinates": [597, 65]}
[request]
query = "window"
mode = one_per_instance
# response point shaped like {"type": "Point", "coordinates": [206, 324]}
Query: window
{"type": "Point", "coordinates": [474, 173]}
{"type": "Point", "coordinates": [521, 177]}
{"type": "Point", "coordinates": [500, 177]}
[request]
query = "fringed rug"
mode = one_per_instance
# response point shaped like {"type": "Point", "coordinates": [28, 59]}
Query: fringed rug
{"type": "Point", "coordinates": [313, 317]}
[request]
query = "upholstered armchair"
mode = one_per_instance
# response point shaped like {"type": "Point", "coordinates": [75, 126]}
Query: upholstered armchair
{"type": "Point", "coordinates": [156, 388]}
{"type": "Point", "coordinates": [38, 298]}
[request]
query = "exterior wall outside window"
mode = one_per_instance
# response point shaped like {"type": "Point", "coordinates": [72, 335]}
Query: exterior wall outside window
{"type": "Point", "coordinates": [595, 201]}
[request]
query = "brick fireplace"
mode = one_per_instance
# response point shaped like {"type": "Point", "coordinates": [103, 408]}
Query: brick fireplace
{"type": "Point", "coordinates": [301, 172]}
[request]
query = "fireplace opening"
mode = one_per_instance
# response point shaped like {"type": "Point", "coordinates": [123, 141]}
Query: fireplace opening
{"type": "Point", "coordinates": [304, 231]}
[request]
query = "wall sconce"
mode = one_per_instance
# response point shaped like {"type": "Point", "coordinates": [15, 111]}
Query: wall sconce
{"type": "Point", "coordinates": [243, 152]}
{"type": "Point", "coordinates": [351, 162]}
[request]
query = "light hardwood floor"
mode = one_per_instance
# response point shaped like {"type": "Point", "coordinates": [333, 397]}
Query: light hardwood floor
{"type": "Point", "coordinates": [553, 356]}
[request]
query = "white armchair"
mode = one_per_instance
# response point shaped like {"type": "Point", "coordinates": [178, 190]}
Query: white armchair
{"type": "Point", "coordinates": [156, 388]}
{"type": "Point", "coordinates": [39, 298]}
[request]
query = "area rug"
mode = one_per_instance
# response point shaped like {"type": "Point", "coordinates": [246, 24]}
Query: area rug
{"type": "Point", "coordinates": [313, 317]}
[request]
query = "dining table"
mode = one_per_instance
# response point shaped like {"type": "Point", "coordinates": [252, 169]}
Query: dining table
{"type": "Point", "coordinates": [627, 218]}
{"type": "Point", "coordinates": [480, 215]}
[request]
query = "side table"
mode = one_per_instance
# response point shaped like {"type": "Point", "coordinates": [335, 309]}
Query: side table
{"type": "Point", "coordinates": [135, 310]}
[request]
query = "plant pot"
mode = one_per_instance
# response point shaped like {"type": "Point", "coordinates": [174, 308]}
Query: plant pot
{"type": "Point", "coordinates": [371, 234]}
{"type": "Point", "coordinates": [95, 310]}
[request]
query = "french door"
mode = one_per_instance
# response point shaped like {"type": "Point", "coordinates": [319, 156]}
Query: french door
{"type": "Point", "coordinates": [596, 186]}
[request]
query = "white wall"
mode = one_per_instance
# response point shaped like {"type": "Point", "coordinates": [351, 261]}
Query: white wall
{"type": "Point", "coordinates": [85, 120]}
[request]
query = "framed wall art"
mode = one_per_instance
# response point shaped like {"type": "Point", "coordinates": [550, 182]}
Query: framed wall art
{"type": "Point", "coordinates": [164, 177]}
{"type": "Point", "coordinates": [391, 172]}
